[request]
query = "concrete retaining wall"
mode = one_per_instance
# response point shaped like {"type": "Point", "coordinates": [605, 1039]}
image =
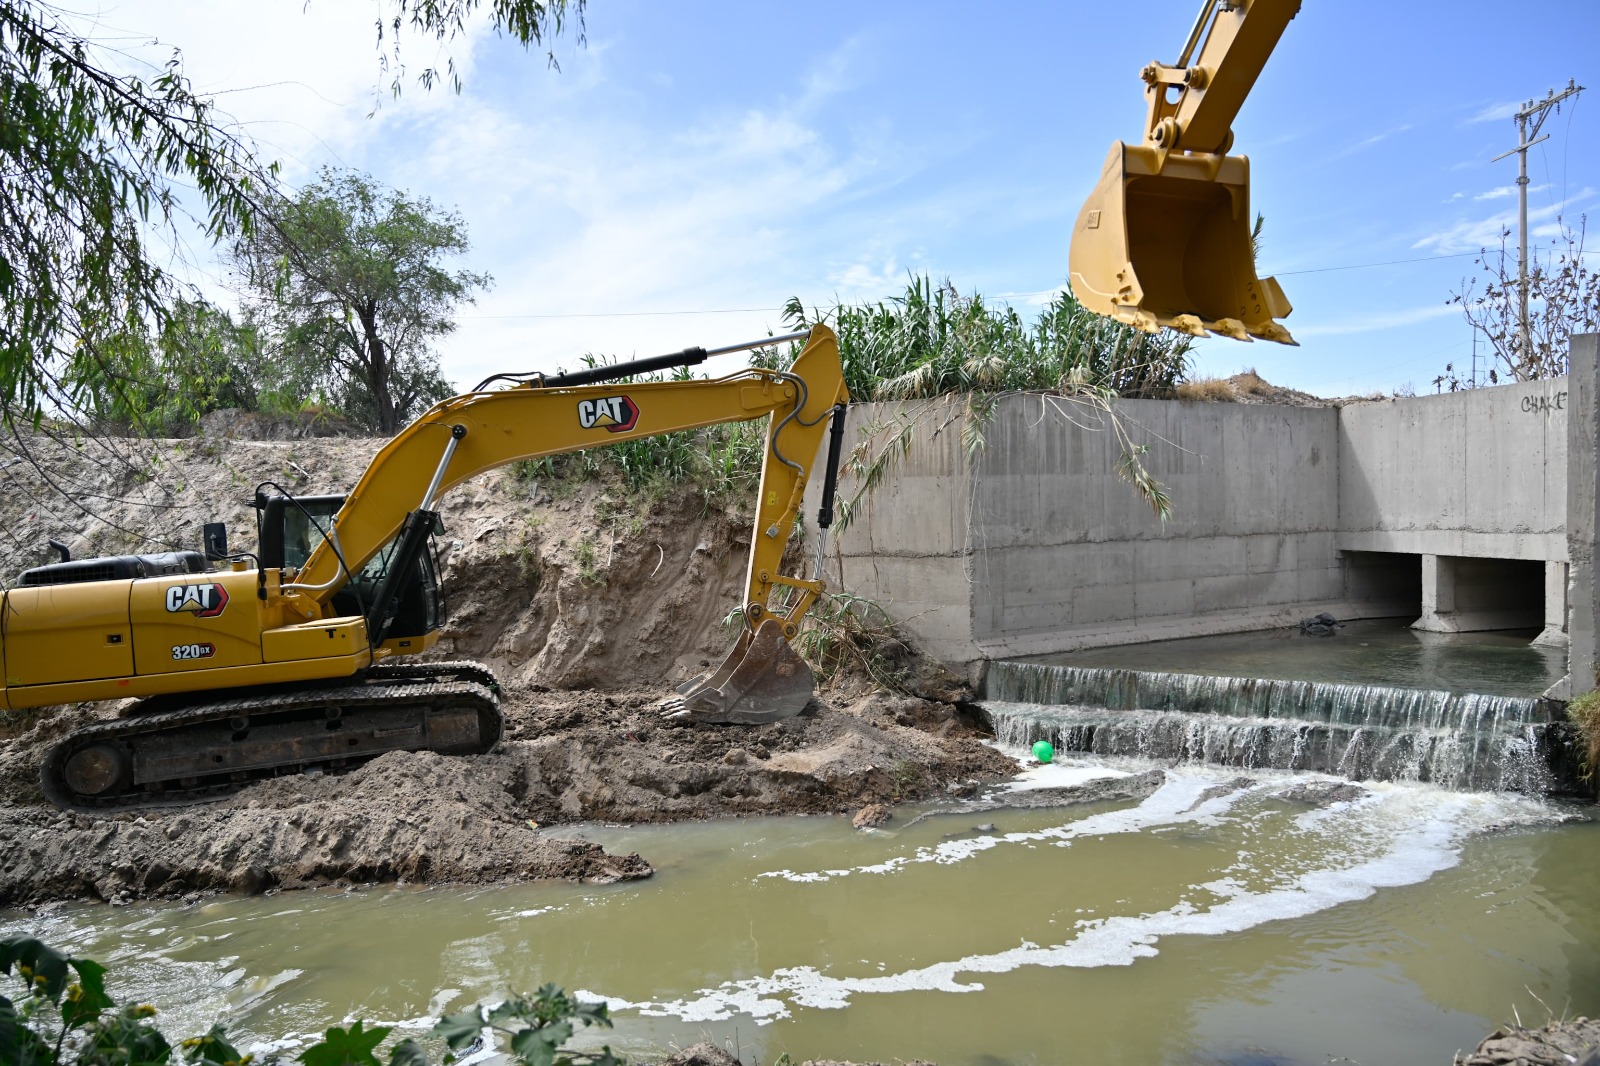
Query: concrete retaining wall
{"type": "Point", "coordinates": [1036, 545]}
{"type": "Point", "coordinates": [1480, 473]}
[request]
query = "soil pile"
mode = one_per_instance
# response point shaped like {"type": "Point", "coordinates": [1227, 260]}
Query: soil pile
{"type": "Point", "coordinates": [1559, 1043]}
{"type": "Point", "coordinates": [589, 602]}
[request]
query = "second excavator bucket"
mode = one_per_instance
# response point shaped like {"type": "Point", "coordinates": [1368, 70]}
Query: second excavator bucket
{"type": "Point", "coordinates": [1164, 240]}
{"type": "Point", "coordinates": [761, 680]}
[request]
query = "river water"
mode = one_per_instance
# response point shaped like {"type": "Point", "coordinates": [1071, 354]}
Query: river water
{"type": "Point", "coordinates": [1218, 920]}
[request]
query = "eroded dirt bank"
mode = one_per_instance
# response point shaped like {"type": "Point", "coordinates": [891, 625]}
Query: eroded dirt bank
{"type": "Point", "coordinates": [589, 600]}
{"type": "Point", "coordinates": [569, 756]}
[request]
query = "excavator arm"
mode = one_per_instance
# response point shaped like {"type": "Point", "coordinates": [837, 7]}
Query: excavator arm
{"type": "Point", "coordinates": [1164, 239]}
{"type": "Point", "coordinates": [394, 502]}
{"type": "Point", "coordinates": [464, 436]}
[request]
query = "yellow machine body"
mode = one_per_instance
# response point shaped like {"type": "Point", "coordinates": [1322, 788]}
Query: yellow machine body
{"type": "Point", "coordinates": [1165, 237]}
{"type": "Point", "coordinates": [240, 628]}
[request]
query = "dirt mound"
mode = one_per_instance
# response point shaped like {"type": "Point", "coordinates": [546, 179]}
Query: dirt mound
{"type": "Point", "coordinates": [1556, 1044]}
{"type": "Point", "coordinates": [568, 757]}
{"type": "Point", "coordinates": [588, 600]}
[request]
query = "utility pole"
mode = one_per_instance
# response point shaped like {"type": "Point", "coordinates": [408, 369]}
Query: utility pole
{"type": "Point", "coordinates": [1533, 112]}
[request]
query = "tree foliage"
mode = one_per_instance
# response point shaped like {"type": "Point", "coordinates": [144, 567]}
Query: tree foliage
{"type": "Point", "coordinates": [350, 284]}
{"type": "Point", "coordinates": [199, 360]}
{"type": "Point", "coordinates": [90, 160]}
{"type": "Point", "coordinates": [93, 163]}
{"type": "Point", "coordinates": [1563, 299]}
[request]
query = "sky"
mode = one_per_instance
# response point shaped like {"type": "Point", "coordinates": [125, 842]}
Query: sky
{"type": "Point", "coordinates": [696, 164]}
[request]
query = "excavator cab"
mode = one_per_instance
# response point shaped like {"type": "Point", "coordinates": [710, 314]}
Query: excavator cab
{"type": "Point", "coordinates": [289, 530]}
{"type": "Point", "coordinates": [1165, 237]}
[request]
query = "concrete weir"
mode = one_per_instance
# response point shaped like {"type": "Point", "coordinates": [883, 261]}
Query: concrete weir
{"type": "Point", "coordinates": [1465, 511]}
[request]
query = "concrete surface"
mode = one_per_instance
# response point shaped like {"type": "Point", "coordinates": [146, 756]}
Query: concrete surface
{"type": "Point", "coordinates": [1450, 511]}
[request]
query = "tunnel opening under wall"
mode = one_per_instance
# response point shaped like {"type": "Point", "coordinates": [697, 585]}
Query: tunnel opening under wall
{"type": "Point", "coordinates": [1383, 584]}
{"type": "Point", "coordinates": [1470, 595]}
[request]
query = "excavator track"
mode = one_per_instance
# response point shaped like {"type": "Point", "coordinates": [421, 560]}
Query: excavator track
{"type": "Point", "coordinates": [206, 750]}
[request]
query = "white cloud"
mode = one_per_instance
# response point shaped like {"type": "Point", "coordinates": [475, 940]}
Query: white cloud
{"type": "Point", "coordinates": [1376, 138]}
{"type": "Point", "coordinates": [1500, 192]}
{"type": "Point", "coordinates": [1495, 112]}
{"type": "Point", "coordinates": [1468, 235]}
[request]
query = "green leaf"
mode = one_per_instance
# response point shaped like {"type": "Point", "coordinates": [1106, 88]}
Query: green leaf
{"type": "Point", "coordinates": [408, 1053]}
{"type": "Point", "coordinates": [460, 1029]}
{"type": "Point", "coordinates": [18, 1043]}
{"type": "Point", "coordinates": [537, 1047]}
{"type": "Point", "coordinates": [87, 997]}
{"type": "Point", "coordinates": [126, 1038]}
{"type": "Point", "coordinates": [212, 1049]}
{"type": "Point", "coordinates": [346, 1047]}
{"type": "Point", "coordinates": [42, 969]}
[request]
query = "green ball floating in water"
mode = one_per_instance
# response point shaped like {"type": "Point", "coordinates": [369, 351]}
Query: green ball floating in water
{"type": "Point", "coordinates": [1043, 751]}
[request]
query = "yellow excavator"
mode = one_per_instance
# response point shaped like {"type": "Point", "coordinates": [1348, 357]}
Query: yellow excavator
{"type": "Point", "coordinates": [1165, 238]}
{"type": "Point", "coordinates": [296, 659]}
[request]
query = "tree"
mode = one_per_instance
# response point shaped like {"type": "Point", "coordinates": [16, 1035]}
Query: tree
{"type": "Point", "coordinates": [349, 282]}
{"type": "Point", "coordinates": [1563, 299]}
{"type": "Point", "coordinates": [91, 161]}
{"type": "Point", "coordinates": [199, 361]}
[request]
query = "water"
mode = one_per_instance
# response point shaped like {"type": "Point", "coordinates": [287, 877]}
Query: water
{"type": "Point", "coordinates": [1220, 920]}
{"type": "Point", "coordinates": [1211, 922]}
{"type": "Point", "coordinates": [1246, 701]}
{"type": "Point", "coordinates": [1372, 652]}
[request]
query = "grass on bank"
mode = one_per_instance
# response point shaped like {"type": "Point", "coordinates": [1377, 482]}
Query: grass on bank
{"type": "Point", "coordinates": [929, 343]}
{"type": "Point", "coordinates": [1584, 713]}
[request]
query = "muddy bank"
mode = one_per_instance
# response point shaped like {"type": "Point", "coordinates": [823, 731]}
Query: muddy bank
{"type": "Point", "coordinates": [1559, 1043]}
{"type": "Point", "coordinates": [568, 757]}
{"type": "Point", "coordinates": [589, 599]}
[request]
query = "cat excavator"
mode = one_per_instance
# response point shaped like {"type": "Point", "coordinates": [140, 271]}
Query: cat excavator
{"type": "Point", "coordinates": [1165, 237]}
{"type": "Point", "coordinates": [300, 658]}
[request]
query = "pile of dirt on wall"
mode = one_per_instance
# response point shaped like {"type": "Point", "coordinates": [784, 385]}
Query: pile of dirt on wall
{"type": "Point", "coordinates": [588, 601]}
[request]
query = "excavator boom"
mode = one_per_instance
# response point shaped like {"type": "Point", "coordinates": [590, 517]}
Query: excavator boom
{"type": "Point", "coordinates": [1164, 239]}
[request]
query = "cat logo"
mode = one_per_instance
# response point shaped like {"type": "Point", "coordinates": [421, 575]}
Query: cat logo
{"type": "Point", "coordinates": [202, 601]}
{"type": "Point", "coordinates": [617, 413]}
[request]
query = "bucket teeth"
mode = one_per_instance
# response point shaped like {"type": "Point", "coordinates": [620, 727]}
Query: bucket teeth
{"type": "Point", "coordinates": [761, 679]}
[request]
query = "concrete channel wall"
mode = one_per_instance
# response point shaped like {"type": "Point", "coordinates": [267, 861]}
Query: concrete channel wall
{"type": "Point", "coordinates": [1448, 509]}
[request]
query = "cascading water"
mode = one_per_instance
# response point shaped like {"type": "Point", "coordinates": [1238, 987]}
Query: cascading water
{"type": "Point", "coordinates": [1363, 732]}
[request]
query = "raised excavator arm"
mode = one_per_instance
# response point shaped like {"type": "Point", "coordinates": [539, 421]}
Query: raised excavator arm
{"type": "Point", "coordinates": [1164, 239]}
{"type": "Point", "coordinates": [296, 663]}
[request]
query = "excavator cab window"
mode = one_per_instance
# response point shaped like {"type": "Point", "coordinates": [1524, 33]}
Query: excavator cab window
{"type": "Point", "coordinates": [290, 530]}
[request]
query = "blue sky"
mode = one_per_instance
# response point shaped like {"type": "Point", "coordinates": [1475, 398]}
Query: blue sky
{"type": "Point", "coordinates": [720, 157]}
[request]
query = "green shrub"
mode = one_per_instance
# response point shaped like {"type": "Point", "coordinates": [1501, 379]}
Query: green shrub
{"type": "Point", "coordinates": [64, 1017]}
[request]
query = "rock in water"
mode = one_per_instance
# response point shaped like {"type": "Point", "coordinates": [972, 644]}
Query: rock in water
{"type": "Point", "coordinates": [871, 816]}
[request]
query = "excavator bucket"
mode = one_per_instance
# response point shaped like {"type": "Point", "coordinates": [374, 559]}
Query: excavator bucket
{"type": "Point", "coordinates": [761, 680]}
{"type": "Point", "coordinates": [1164, 240]}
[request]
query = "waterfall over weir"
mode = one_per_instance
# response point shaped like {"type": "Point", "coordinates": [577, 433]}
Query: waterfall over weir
{"type": "Point", "coordinates": [1362, 732]}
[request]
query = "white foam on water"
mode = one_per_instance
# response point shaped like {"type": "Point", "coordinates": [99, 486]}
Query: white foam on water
{"type": "Point", "coordinates": [1180, 800]}
{"type": "Point", "coordinates": [1396, 836]}
{"type": "Point", "coordinates": [1036, 775]}
{"type": "Point", "coordinates": [534, 913]}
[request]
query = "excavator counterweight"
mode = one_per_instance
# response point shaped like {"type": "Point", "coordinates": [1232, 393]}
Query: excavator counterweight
{"type": "Point", "coordinates": [1165, 237]}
